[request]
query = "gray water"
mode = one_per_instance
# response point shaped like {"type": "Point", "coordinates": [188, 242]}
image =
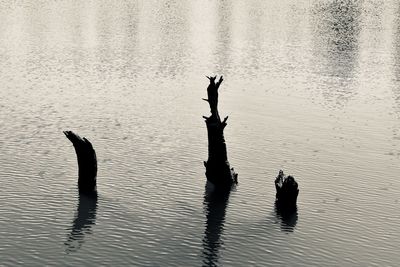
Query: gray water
{"type": "Point", "coordinates": [311, 87]}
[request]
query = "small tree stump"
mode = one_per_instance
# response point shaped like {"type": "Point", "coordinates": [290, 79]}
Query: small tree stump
{"type": "Point", "coordinates": [286, 191]}
{"type": "Point", "coordinates": [218, 170]}
{"type": "Point", "coordinates": [87, 162]}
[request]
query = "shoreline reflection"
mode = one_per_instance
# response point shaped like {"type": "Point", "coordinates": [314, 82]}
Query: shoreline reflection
{"type": "Point", "coordinates": [336, 47]}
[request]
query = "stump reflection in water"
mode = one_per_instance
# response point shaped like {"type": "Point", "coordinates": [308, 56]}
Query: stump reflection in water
{"type": "Point", "coordinates": [85, 218]}
{"type": "Point", "coordinates": [215, 204]}
{"type": "Point", "coordinates": [287, 217]}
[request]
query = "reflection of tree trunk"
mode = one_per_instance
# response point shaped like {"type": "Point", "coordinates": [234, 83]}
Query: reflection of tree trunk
{"type": "Point", "coordinates": [215, 203]}
{"type": "Point", "coordinates": [218, 170]}
{"type": "Point", "coordinates": [87, 162]}
{"type": "Point", "coordinates": [288, 217]}
{"type": "Point", "coordinates": [85, 217]}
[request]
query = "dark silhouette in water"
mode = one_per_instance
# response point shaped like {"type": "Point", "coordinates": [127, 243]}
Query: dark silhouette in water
{"type": "Point", "coordinates": [218, 170]}
{"type": "Point", "coordinates": [287, 216]}
{"type": "Point", "coordinates": [287, 191]}
{"type": "Point", "coordinates": [87, 162]}
{"type": "Point", "coordinates": [85, 217]}
{"type": "Point", "coordinates": [215, 203]}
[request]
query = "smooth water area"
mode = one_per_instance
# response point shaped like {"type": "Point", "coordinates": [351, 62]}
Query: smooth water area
{"type": "Point", "coordinates": [311, 87]}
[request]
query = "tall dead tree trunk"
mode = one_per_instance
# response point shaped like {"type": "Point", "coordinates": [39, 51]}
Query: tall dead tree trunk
{"type": "Point", "coordinates": [87, 162]}
{"type": "Point", "coordinates": [218, 170]}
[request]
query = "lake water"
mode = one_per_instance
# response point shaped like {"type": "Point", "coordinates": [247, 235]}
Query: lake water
{"type": "Point", "coordinates": [311, 87]}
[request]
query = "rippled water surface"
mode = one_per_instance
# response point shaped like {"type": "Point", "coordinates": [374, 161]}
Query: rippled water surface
{"type": "Point", "coordinates": [311, 87]}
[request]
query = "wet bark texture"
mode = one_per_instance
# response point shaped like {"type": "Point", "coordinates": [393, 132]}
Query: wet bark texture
{"type": "Point", "coordinates": [287, 191]}
{"type": "Point", "coordinates": [218, 170]}
{"type": "Point", "coordinates": [87, 162]}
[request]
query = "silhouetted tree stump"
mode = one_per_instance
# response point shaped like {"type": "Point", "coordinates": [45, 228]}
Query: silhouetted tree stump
{"type": "Point", "coordinates": [218, 170]}
{"type": "Point", "coordinates": [87, 162]}
{"type": "Point", "coordinates": [286, 191]}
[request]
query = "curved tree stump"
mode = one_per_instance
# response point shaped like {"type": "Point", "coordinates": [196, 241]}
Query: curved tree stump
{"type": "Point", "coordinates": [87, 162]}
{"type": "Point", "coordinates": [287, 191]}
{"type": "Point", "coordinates": [218, 170]}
